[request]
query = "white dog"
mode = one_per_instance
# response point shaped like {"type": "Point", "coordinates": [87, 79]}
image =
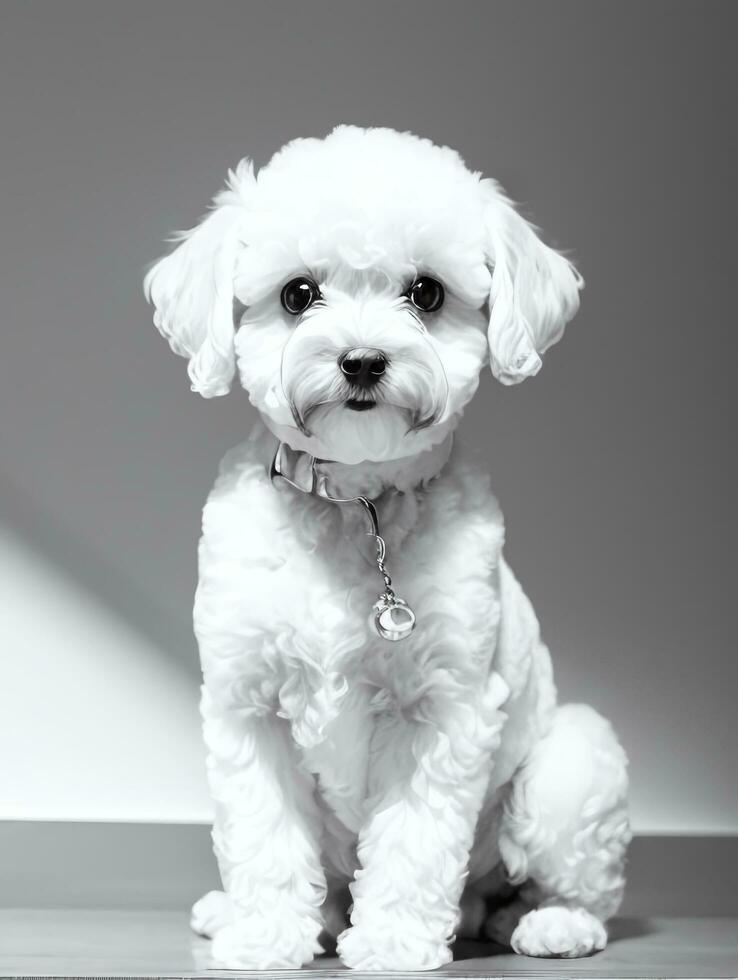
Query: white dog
{"type": "Point", "coordinates": [357, 285]}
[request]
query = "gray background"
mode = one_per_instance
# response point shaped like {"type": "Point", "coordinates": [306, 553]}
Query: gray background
{"type": "Point", "coordinates": [615, 467]}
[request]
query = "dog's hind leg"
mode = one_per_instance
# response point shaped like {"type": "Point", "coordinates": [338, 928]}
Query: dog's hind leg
{"type": "Point", "coordinates": [563, 836]}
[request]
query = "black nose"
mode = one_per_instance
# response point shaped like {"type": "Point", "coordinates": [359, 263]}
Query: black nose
{"type": "Point", "coordinates": [363, 367]}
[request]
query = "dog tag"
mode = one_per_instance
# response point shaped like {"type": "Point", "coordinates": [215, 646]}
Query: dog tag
{"type": "Point", "coordinates": [393, 618]}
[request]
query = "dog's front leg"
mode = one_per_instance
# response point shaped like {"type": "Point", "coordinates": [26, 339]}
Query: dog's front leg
{"type": "Point", "coordinates": [266, 836]}
{"type": "Point", "coordinates": [429, 773]}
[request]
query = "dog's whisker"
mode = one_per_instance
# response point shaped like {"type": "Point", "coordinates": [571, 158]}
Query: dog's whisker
{"type": "Point", "coordinates": [299, 420]}
{"type": "Point", "coordinates": [419, 422]}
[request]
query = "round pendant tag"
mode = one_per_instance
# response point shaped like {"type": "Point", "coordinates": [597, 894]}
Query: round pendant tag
{"type": "Point", "coordinates": [393, 618]}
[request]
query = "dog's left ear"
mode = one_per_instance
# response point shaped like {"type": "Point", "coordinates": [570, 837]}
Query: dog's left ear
{"type": "Point", "coordinates": [192, 289]}
{"type": "Point", "coordinates": [534, 293]}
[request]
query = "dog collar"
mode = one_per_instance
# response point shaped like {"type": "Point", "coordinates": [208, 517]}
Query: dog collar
{"type": "Point", "coordinates": [391, 617]}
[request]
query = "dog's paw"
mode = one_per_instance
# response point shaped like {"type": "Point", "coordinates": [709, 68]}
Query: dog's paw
{"type": "Point", "coordinates": [559, 931]}
{"type": "Point", "coordinates": [211, 913]}
{"type": "Point", "coordinates": [255, 944]}
{"type": "Point", "coordinates": [390, 948]}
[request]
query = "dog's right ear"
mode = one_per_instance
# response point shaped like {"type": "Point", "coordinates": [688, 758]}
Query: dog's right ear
{"type": "Point", "coordinates": [192, 289]}
{"type": "Point", "coordinates": [534, 294]}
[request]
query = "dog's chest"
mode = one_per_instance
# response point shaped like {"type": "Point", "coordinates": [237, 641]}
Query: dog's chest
{"type": "Point", "coordinates": [295, 578]}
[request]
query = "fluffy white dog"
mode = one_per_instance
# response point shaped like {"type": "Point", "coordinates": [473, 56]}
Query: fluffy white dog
{"type": "Point", "coordinates": [357, 285]}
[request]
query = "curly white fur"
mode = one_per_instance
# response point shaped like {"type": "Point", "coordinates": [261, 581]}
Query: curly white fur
{"type": "Point", "coordinates": [435, 773]}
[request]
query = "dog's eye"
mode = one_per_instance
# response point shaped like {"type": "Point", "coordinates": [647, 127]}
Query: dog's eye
{"type": "Point", "coordinates": [426, 294]}
{"type": "Point", "coordinates": [298, 294]}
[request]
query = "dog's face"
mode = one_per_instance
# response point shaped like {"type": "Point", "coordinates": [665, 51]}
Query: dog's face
{"type": "Point", "coordinates": [358, 285]}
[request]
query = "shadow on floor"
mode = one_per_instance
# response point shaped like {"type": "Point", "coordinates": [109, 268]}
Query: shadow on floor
{"type": "Point", "coordinates": [617, 929]}
{"type": "Point", "coordinates": [630, 929]}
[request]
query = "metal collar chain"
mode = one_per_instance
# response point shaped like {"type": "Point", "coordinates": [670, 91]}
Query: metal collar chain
{"type": "Point", "coordinates": [392, 618]}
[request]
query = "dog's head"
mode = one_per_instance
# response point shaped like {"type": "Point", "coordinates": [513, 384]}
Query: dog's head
{"type": "Point", "coordinates": [358, 284]}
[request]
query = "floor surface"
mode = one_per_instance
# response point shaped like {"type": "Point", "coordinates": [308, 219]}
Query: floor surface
{"type": "Point", "coordinates": [103, 943]}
